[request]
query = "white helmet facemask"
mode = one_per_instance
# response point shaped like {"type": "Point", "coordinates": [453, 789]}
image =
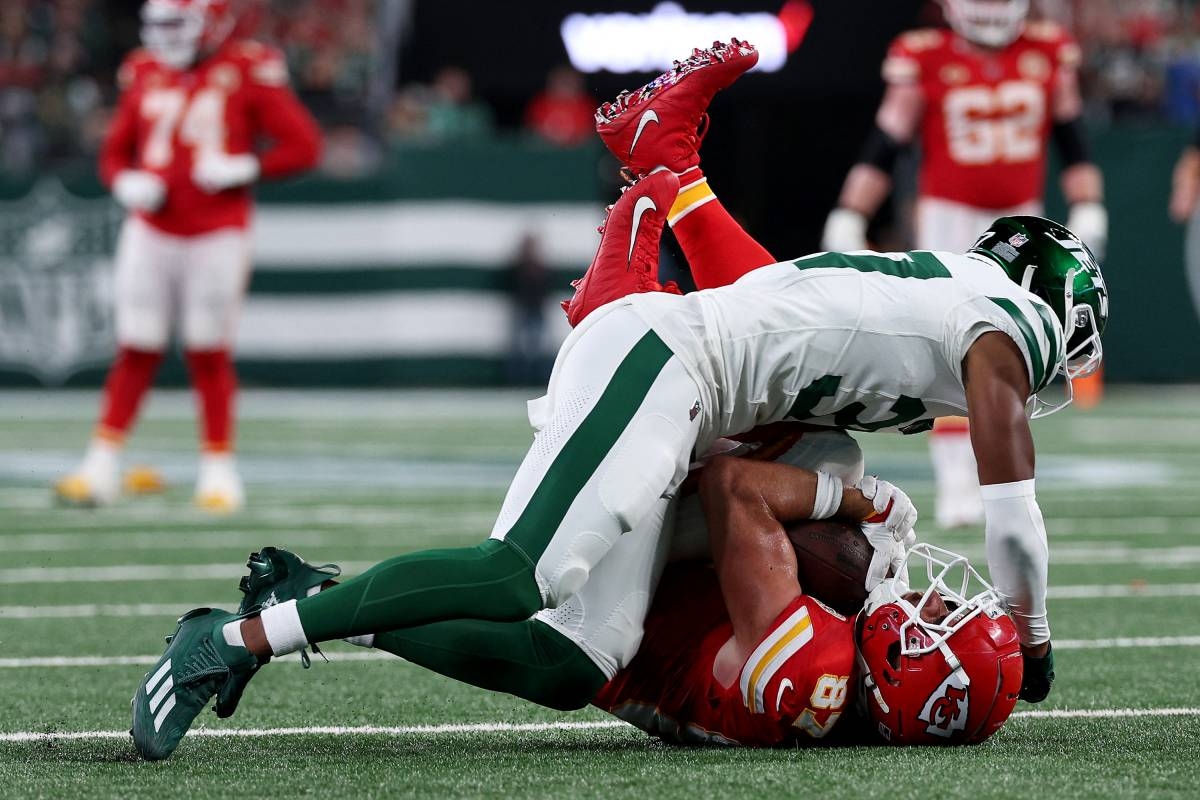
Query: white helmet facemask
{"type": "Point", "coordinates": [172, 32]}
{"type": "Point", "coordinates": [964, 591]}
{"type": "Point", "coordinates": [1082, 352]}
{"type": "Point", "coordinates": [992, 23]}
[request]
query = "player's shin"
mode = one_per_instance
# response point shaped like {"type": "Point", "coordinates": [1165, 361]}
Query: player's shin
{"type": "Point", "coordinates": [127, 383]}
{"type": "Point", "coordinates": [215, 382]}
{"type": "Point", "coordinates": [490, 581]}
{"type": "Point", "coordinates": [718, 249]}
{"type": "Point", "coordinates": [528, 659]}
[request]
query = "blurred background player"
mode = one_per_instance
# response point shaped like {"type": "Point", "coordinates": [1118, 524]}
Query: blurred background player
{"type": "Point", "coordinates": [181, 155]}
{"type": "Point", "coordinates": [983, 99]}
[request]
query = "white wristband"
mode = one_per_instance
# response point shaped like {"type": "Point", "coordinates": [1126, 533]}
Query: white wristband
{"type": "Point", "coordinates": [828, 497]}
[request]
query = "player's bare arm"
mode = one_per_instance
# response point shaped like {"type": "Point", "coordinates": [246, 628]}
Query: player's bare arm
{"type": "Point", "coordinates": [870, 180]}
{"type": "Point", "coordinates": [1081, 182]}
{"type": "Point", "coordinates": [1185, 184]}
{"type": "Point", "coordinates": [997, 387]}
{"type": "Point", "coordinates": [746, 504]}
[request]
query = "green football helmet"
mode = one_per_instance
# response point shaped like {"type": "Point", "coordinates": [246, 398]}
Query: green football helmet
{"type": "Point", "coordinates": [1049, 261]}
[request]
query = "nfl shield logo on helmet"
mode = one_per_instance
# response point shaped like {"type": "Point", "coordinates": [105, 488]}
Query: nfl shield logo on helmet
{"type": "Point", "coordinates": [1018, 239]}
{"type": "Point", "coordinates": [946, 709]}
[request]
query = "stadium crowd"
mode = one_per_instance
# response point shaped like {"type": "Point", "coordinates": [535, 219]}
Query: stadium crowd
{"type": "Point", "coordinates": [58, 60]}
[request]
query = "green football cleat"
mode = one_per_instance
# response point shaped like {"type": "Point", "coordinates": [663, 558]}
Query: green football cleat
{"type": "Point", "coordinates": [197, 665]}
{"type": "Point", "coordinates": [276, 576]}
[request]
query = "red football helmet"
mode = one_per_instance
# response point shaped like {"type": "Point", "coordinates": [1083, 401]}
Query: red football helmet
{"type": "Point", "coordinates": [991, 23]}
{"type": "Point", "coordinates": [942, 666]}
{"type": "Point", "coordinates": [179, 32]}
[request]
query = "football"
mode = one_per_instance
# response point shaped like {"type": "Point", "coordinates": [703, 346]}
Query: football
{"type": "Point", "coordinates": [832, 558]}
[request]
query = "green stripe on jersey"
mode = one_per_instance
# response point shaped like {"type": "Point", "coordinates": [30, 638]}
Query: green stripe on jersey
{"type": "Point", "coordinates": [580, 457]}
{"type": "Point", "coordinates": [1056, 348]}
{"type": "Point", "coordinates": [1037, 360]}
{"type": "Point", "coordinates": [920, 264]}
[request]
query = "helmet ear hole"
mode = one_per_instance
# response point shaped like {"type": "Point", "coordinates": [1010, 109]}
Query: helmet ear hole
{"type": "Point", "coordinates": [893, 655]}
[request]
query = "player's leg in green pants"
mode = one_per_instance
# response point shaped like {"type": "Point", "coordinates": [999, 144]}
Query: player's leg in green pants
{"type": "Point", "coordinates": [529, 659]}
{"type": "Point", "coordinates": [563, 656]}
{"type": "Point", "coordinates": [620, 433]}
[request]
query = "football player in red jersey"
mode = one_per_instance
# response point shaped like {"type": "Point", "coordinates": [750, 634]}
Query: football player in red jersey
{"type": "Point", "coordinates": [182, 155]}
{"type": "Point", "coordinates": [982, 100]}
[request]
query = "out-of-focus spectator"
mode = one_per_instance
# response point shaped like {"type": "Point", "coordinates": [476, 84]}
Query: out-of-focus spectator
{"type": "Point", "coordinates": [563, 113]}
{"type": "Point", "coordinates": [408, 115]}
{"type": "Point", "coordinates": [528, 285]}
{"type": "Point", "coordinates": [454, 112]}
{"type": "Point", "coordinates": [349, 152]}
{"type": "Point", "coordinates": [49, 54]}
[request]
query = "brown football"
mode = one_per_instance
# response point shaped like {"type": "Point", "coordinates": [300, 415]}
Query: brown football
{"type": "Point", "coordinates": [832, 557]}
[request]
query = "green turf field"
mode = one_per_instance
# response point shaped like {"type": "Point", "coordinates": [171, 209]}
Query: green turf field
{"type": "Point", "coordinates": [85, 598]}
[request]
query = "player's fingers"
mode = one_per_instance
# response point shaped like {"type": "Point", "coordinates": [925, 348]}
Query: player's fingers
{"type": "Point", "coordinates": [878, 568]}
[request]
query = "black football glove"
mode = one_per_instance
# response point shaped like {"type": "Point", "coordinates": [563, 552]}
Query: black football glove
{"type": "Point", "coordinates": [1039, 677]}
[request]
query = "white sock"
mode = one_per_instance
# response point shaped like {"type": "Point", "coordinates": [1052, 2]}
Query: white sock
{"type": "Point", "coordinates": [366, 640]}
{"type": "Point", "coordinates": [281, 624]}
{"type": "Point", "coordinates": [232, 631]}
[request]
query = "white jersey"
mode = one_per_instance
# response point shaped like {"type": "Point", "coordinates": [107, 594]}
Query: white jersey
{"type": "Point", "coordinates": [861, 341]}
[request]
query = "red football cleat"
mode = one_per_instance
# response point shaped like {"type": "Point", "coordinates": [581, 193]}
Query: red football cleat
{"type": "Point", "coordinates": [627, 260]}
{"type": "Point", "coordinates": [659, 125]}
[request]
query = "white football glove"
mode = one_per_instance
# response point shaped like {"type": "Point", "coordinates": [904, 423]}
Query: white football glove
{"type": "Point", "coordinates": [1089, 221]}
{"type": "Point", "coordinates": [215, 172]}
{"type": "Point", "coordinates": [139, 190]}
{"type": "Point", "coordinates": [845, 230]}
{"type": "Point", "coordinates": [890, 530]}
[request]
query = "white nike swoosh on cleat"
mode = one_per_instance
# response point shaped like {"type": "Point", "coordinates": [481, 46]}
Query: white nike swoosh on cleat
{"type": "Point", "coordinates": [642, 205]}
{"type": "Point", "coordinates": [648, 116]}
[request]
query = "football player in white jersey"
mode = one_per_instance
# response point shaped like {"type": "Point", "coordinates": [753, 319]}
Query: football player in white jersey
{"type": "Point", "coordinates": [860, 341]}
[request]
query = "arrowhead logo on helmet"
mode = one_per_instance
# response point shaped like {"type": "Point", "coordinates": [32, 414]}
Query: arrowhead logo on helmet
{"type": "Point", "coordinates": [947, 707]}
{"type": "Point", "coordinates": [942, 665]}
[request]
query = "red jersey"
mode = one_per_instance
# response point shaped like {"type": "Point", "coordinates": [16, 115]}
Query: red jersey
{"type": "Point", "coordinates": [228, 102]}
{"type": "Point", "coordinates": [987, 115]}
{"type": "Point", "coordinates": [792, 688]}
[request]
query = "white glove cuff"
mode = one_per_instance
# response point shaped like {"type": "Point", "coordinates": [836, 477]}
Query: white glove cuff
{"type": "Point", "coordinates": [828, 496]}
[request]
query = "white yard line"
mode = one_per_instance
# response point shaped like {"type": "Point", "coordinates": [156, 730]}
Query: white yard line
{"type": "Point", "coordinates": [119, 610]}
{"type": "Point", "coordinates": [507, 727]}
{"type": "Point", "coordinates": [94, 610]}
{"type": "Point", "coordinates": [1164, 557]}
{"type": "Point", "coordinates": [124, 573]}
{"type": "Point", "coordinates": [1099, 591]}
{"type": "Point", "coordinates": [1120, 643]}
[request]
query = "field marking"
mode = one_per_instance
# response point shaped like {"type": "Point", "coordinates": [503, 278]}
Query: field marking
{"type": "Point", "coordinates": [1106, 713]}
{"type": "Point", "coordinates": [125, 573]}
{"type": "Point", "coordinates": [1118, 643]}
{"type": "Point", "coordinates": [95, 610]}
{"type": "Point", "coordinates": [1100, 591]}
{"type": "Point", "coordinates": [1165, 557]}
{"type": "Point", "coordinates": [509, 727]}
{"type": "Point", "coordinates": [125, 610]}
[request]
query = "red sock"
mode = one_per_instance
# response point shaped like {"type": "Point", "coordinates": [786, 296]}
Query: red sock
{"type": "Point", "coordinates": [215, 383]}
{"type": "Point", "coordinates": [717, 248]}
{"type": "Point", "coordinates": [129, 378]}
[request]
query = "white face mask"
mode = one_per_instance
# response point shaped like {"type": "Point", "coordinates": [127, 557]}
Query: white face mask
{"type": "Point", "coordinates": [172, 33]}
{"type": "Point", "coordinates": [992, 23]}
